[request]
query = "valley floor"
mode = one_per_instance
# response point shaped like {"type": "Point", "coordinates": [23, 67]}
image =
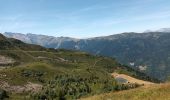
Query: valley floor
{"type": "Point", "coordinates": [147, 92]}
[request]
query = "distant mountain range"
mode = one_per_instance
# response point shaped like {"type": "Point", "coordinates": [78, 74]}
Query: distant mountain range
{"type": "Point", "coordinates": [148, 51]}
{"type": "Point", "coordinates": [43, 40]}
{"type": "Point", "coordinates": [159, 30]}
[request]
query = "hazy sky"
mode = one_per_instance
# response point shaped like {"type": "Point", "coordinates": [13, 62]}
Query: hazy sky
{"type": "Point", "coordinates": [83, 18]}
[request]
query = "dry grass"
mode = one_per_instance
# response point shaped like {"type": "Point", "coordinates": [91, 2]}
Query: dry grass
{"type": "Point", "coordinates": [149, 92]}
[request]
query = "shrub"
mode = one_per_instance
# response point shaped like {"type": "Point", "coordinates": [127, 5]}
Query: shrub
{"type": "Point", "coordinates": [3, 94]}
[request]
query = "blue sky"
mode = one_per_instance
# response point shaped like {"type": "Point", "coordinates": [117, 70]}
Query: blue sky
{"type": "Point", "coordinates": [83, 18]}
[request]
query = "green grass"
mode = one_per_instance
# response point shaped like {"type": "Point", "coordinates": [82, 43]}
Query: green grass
{"type": "Point", "coordinates": [79, 65]}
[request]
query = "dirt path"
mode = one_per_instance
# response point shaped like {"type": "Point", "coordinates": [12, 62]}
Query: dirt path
{"type": "Point", "coordinates": [131, 79]}
{"type": "Point", "coordinates": [96, 62]}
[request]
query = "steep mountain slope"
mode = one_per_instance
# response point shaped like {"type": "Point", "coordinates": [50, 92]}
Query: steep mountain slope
{"type": "Point", "coordinates": [39, 73]}
{"type": "Point", "coordinates": [149, 52]}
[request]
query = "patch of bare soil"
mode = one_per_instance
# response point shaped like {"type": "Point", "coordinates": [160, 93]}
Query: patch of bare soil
{"type": "Point", "coordinates": [6, 60]}
{"type": "Point", "coordinates": [131, 79]}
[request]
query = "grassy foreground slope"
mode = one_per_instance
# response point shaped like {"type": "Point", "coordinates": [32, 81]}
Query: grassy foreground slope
{"type": "Point", "coordinates": [152, 92]}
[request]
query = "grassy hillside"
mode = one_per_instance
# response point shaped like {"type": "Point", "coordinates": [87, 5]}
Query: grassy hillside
{"type": "Point", "coordinates": [153, 92]}
{"type": "Point", "coordinates": [40, 73]}
{"type": "Point", "coordinates": [65, 74]}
